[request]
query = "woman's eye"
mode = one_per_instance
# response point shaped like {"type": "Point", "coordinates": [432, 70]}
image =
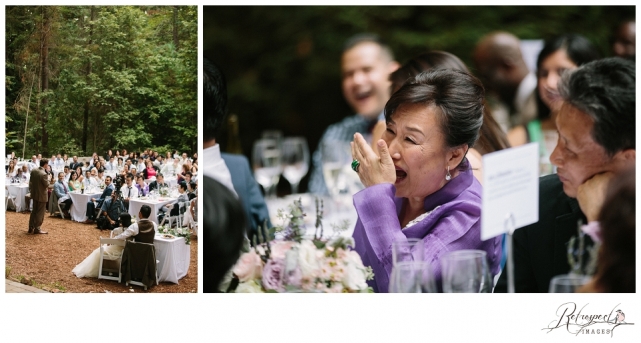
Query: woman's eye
{"type": "Point", "coordinates": [410, 140]}
{"type": "Point", "coordinates": [390, 131]}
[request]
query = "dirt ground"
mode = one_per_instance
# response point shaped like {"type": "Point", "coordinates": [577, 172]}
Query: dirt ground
{"type": "Point", "coordinates": [47, 260]}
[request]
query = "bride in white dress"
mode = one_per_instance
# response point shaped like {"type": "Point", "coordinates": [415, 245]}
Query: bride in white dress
{"type": "Point", "coordinates": [90, 265]}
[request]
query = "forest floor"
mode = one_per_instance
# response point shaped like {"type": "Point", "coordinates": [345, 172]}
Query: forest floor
{"type": "Point", "coordinates": [46, 261]}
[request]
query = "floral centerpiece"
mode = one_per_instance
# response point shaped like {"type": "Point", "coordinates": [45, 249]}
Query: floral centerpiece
{"type": "Point", "coordinates": [297, 264]}
{"type": "Point", "coordinates": [163, 191]}
{"type": "Point", "coordinates": [177, 232]}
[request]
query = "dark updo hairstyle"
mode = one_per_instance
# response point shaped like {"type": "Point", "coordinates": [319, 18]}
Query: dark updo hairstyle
{"type": "Point", "coordinates": [223, 232]}
{"type": "Point", "coordinates": [579, 50]}
{"type": "Point", "coordinates": [491, 138]}
{"type": "Point", "coordinates": [457, 96]}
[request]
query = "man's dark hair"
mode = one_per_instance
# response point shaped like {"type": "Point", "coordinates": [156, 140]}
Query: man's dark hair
{"type": "Point", "coordinates": [223, 232]}
{"type": "Point", "coordinates": [145, 211]}
{"type": "Point", "coordinates": [457, 97]}
{"type": "Point", "coordinates": [192, 184]}
{"type": "Point", "coordinates": [605, 90]}
{"type": "Point", "coordinates": [61, 173]}
{"type": "Point", "coordinates": [108, 177]}
{"type": "Point", "coordinates": [189, 173]}
{"type": "Point", "coordinates": [183, 185]}
{"type": "Point", "coordinates": [43, 161]}
{"type": "Point", "coordinates": [160, 175]}
{"type": "Point", "coordinates": [214, 99]}
{"type": "Point", "coordinates": [130, 176]}
{"type": "Point", "coordinates": [360, 38]}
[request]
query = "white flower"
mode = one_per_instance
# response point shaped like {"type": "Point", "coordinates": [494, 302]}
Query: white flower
{"type": "Point", "coordinates": [307, 259]}
{"type": "Point", "coordinates": [249, 287]}
{"type": "Point", "coordinates": [164, 230]}
{"type": "Point", "coordinates": [354, 277]}
{"type": "Point", "coordinates": [179, 230]}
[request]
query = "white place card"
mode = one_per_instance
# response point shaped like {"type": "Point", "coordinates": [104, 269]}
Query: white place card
{"type": "Point", "coordinates": [510, 190]}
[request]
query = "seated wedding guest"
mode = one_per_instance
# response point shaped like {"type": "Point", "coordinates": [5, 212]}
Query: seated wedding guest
{"type": "Point", "coordinates": [191, 190]}
{"type": "Point", "coordinates": [88, 180]}
{"type": "Point", "coordinates": [124, 153]}
{"type": "Point", "coordinates": [596, 126]}
{"type": "Point", "coordinates": [171, 168]}
{"type": "Point", "coordinates": [111, 165]}
{"type": "Point", "coordinates": [613, 224]}
{"type": "Point", "coordinates": [149, 171]}
{"type": "Point", "coordinates": [195, 157]}
{"type": "Point", "coordinates": [109, 155]}
{"type": "Point", "coordinates": [143, 188]}
{"type": "Point", "coordinates": [23, 173]}
{"type": "Point", "coordinates": [58, 163]}
{"type": "Point", "coordinates": [91, 264]}
{"type": "Point", "coordinates": [33, 164]}
{"type": "Point", "coordinates": [159, 182]}
{"type": "Point", "coordinates": [194, 168]}
{"type": "Point", "coordinates": [81, 178]}
{"type": "Point", "coordinates": [74, 183]}
{"type": "Point", "coordinates": [121, 163]}
{"type": "Point", "coordinates": [233, 171]}
{"type": "Point", "coordinates": [366, 63]}
{"type": "Point", "coordinates": [97, 203]}
{"type": "Point", "coordinates": [422, 186]}
{"type": "Point", "coordinates": [66, 160]}
{"type": "Point", "coordinates": [566, 52]}
{"type": "Point", "coordinates": [74, 163]}
{"type": "Point", "coordinates": [97, 165]}
{"type": "Point", "coordinates": [141, 165]}
{"type": "Point", "coordinates": [133, 171]}
{"type": "Point", "coordinates": [101, 176]}
{"type": "Point", "coordinates": [624, 41]}
{"type": "Point", "coordinates": [49, 172]}
{"type": "Point", "coordinates": [168, 157]}
{"type": "Point", "coordinates": [12, 170]}
{"type": "Point", "coordinates": [67, 172]}
{"type": "Point", "coordinates": [185, 169]}
{"type": "Point", "coordinates": [224, 227]}
{"type": "Point", "coordinates": [142, 230]}
{"type": "Point", "coordinates": [158, 162]}
{"type": "Point", "coordinates": [125, 170]}
{"type": "Point", "coordinates": [61, 190]}
{"type": "Point", "coordinates": [174, 207]}
{"type": "Point", "coordinates": [128, 190]}
{"type": "Point", "coordinates": [111, 209]}
{"type": "Point", "coordinates": [491, 137]}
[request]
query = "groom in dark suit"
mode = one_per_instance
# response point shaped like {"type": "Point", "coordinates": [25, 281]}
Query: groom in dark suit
{"type": "Point", "coordinates": [596, 127]}
{"type": "Point", "coordinates": [97, 203]}
{"type": "Point", "coordinates": [38, 186]}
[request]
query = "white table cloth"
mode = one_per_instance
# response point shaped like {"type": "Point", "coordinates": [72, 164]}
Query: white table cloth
{"type": "Point", "coordinates": [173, 256]}
{"type": "Point", "coordinates": [21, 190]}
{"type": "Point", "coordinates": [79, 208]}
{"type": "Point", "coordinates": [135, 204]}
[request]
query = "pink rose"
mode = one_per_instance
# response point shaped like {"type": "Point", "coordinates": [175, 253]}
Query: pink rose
{"type": "Point", "coordinates": [272, 275]}
{"type": "Point", "coordinates": [279, 249]}
{"type": "Point", "coordinates": [249, 267]}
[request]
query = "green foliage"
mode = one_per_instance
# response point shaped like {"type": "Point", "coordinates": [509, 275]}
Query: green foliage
{"type": "Point", "coordinates": [120, 70]}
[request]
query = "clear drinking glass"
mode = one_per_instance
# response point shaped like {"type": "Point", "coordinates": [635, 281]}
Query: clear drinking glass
{"type": "Point", "coordinates": [412, 277]}
{"type": "Point", "coordinates": [266, 161]}
{"type": "Point", "coordinates": [409, 249]}
{"type": "Point", "coordinates": [466, 271]}
{"type": "Point", "coordinates": [336, 157]}
{"type": "Point", "coordinates": [568, 283]}
{"type": "Point", "coordinates": [295, 158]}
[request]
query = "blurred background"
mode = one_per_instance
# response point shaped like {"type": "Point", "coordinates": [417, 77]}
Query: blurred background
{"type": "Point", "coordinates": [283, 63]}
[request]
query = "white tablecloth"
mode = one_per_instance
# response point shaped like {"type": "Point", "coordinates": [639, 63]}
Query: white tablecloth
{"type": "Point", "coordinates": [79, 208]}
{"type": "Point", "coordinates": [135, 204]}
{"type": "Point", "coordinates": [21, 190]}
{"type": "Point", "coordinates": [173, 256]}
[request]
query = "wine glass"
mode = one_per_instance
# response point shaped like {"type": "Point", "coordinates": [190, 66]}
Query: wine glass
{"type": "Point", "coordinates": [295, 158]}
{"type": "Point", "coordinates": [412, 277]}
{"type": "Point", "coordinates": [266, 157]}
{"type": "Point", "coordinates": [466, 271]}
{"type": "Point", "coordinates": [409, 249]}
{"type": "Point", "coordinates": [276, 135]}
{"type": "Point", "coordinates": [568, 283]}
{"type": "Point", "coordinates": [336, 156]}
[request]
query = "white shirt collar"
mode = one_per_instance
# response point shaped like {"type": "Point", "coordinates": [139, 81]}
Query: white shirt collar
{"type": "Point", "coordinates": [216, 168]}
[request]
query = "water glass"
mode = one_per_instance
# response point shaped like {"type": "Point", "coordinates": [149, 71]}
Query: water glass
{"type": "Point", "coordinates": [412, 277]}
{"type": "Point", "coordinates": [568, 283]}
{"type": "Point", "coordinates": [466, 271]}
{"type": "Point", "coordinates": [336, 157]}
{"type": "Point", "coordinates": [266, 162]}
{"type": "Point", "coordinates": [295, 158]}
{"type": "Point", "coordinates": [408, 249]}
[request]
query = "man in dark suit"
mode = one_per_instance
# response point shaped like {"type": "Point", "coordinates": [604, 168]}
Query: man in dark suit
{"type": "Point", "coordinates": [596, 126]}
{"type": "Point", "coordinates": [248, 191]}
{"type": "Point", "coordinates": [75, 164]}
{"type": "Point", "coordinates": [159, 182]}
{"type": "Point", "coordinates": [97, 203]}
{"type": "Point", "coordinates": [38, 186]}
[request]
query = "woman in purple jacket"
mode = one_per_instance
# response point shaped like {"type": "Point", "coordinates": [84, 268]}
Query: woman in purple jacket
{"type": "Point", "coordinates": [422, 185]}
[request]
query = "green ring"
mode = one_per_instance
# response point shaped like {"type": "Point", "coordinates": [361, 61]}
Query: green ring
{"type": "Point", "coordinates": [355, 165]}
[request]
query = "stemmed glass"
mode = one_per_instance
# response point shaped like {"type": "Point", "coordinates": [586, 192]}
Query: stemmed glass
{"type": "Point", "coordinates": [336, 156]}
{"type": "Point", "coordinates": [295, 158]}
{"type": "Point", "coordinates": [567, 283]}
{"type": "Point", "coordinates": [412, 277]}
{"type": "Point", "coordinates": [466, 271]}
{"type": "Point", "coordinates": [266, 161]}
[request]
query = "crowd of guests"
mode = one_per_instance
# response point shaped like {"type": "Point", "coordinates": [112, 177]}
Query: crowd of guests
{"type": "Point", "coordinates": [417, 139]}
{"type": "Point", "coordinates": [127, 174]}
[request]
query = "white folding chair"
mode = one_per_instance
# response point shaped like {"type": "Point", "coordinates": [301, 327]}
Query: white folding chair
{"type": "Point", "coordinates": [111, 269]}
{"type": "Point", "coordinates": [182, 206]}
{"type": "Point", "coordinates": [12, 194]}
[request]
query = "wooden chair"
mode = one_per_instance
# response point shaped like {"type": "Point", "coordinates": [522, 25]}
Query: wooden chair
{"type": "Point", "coordinates": [111, 270]}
